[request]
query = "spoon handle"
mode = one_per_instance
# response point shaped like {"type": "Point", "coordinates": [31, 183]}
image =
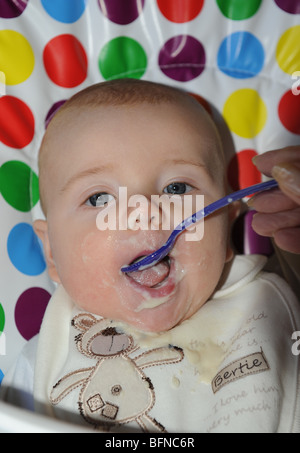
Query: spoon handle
{"type": "Point", "coordinates": [222, 202]}
{"type": "Point", "coordinates": [159, 254]}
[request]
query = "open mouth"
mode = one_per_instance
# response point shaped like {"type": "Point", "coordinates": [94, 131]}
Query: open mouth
{"type": "Point", "coordinates": [153, 277]}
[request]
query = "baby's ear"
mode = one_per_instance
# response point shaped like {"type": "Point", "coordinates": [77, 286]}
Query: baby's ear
{"type": "Point", "coordinates": [41, 230]}
{"type": "Point", "coordinates": [234, 210]}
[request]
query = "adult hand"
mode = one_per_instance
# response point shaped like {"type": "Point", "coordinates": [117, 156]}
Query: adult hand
{"type": "Point", "coordinates": [279, 210]}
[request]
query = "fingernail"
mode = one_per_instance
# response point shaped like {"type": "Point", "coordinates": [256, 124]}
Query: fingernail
{"type": "Point", "coordinates": [289, 175]}
{"type": "Point", "coordinates": [250, 202]}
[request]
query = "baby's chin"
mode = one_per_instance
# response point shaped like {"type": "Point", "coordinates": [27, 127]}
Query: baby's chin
{"type": "Point", "coordinates": [156, 320]}
{"type": "Point", "coordinates": [147, 314]}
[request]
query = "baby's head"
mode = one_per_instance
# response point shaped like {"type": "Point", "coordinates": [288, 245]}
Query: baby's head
{"type": "Point", "coordinates": [151, 140]}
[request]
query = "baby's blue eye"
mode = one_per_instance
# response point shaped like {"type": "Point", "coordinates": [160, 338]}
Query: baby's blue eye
{"type": "Point", "coordinates": [177, 188]}
{"type": "Point", "coordinates": [99, 200]}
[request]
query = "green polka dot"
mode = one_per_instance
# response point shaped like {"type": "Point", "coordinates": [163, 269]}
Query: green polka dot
{"type": "Point", "coordinates": [2, 319]}
{"type": "Point", "coordinates": [122, 58]}
{"type": "Point", "coordinates": [19, 185]}
{"type": "Point", "coordinates": [239, 9]}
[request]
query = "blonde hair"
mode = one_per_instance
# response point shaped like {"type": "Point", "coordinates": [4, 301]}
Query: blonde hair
{"type": "Point", "coordinates": [126, 92]}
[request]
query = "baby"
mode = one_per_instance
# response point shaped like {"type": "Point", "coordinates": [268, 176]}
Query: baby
{"type": "Point", "coordinates": [165, 349]}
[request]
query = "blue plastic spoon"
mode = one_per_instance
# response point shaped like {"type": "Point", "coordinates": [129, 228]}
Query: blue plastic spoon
{"type": "Point", "coordinates": [160, 254]}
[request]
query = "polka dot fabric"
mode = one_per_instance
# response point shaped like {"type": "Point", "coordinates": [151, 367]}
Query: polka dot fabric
{"type": "Point", "coordinates": [228, 52]}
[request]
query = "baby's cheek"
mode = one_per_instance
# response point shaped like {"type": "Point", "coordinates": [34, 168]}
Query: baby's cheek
{"type": "Point", "coordinates": [90, 276]}
{"type": "Point", "coordinates": [195, 260]}
{"type": "Point", "coordinates": [91, 250]}
{"type": "Point", "coordinates": [97, 252]}
{"type": "Point", "coordinates": [203, 258]}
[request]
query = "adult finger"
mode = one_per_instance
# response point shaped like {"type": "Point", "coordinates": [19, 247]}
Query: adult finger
{"type": "Point", "coordinates": [288, 239]}
{"type": "Point", "coordinates": [288, 177]}
{"type": "Point", "coordinates": [271, 201]}
{"type": "Point", "coordinates": [266, 161]}
{"type": "Point", "coordinates": [267, 224]}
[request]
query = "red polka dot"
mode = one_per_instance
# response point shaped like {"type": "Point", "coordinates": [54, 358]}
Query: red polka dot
{"type": "Point", "coordinates": [65, 61]}
{"type": "Point", "coordinates": [241, 171]}
{"type": "Point", "coordinates": [180, 11]}
{"type": "Point", "coordinates": [205, 104]}
{"type": "Point", "coordinates": [16, 122]}
{"type": "Point", "coordinates": [289, 112]}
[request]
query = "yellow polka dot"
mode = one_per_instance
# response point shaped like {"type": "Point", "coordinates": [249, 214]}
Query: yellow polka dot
{"type": "Point", "coordinates": [2, 84]}
{"type": "Point", "coordinates": [245, 113]}
{"type": "Point", "coordinates": [16, 57]}
{"type": "Point", "coordinates": [288, 50]}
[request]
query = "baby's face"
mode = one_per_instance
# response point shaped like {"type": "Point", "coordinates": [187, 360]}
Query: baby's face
{"type": "Point", "coordinates": [149, 150]}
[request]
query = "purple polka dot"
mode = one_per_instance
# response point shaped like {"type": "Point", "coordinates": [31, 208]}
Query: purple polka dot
{"type": "Point", "coordinates": [289, 6]}
{"type": "Point", "coordinates": [12, 8]}
{"type": "Point", "coordinates": [182, 58]}
{"type": "Point", "coordinates": [54, 109]}
{"type": "Point", "coordinates": [120, 12]}
{"type": "Point", "coordinates": [29, 311]}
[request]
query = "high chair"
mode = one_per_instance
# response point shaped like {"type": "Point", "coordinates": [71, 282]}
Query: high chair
{"type": "Point", "coordinates": [240, 58]}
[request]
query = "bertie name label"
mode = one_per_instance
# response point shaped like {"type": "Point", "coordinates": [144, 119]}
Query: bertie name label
{"type": "Point", "coordinates": [251, 364]}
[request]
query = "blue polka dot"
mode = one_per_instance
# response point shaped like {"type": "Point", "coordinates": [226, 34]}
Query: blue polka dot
{"type": "Point", "coordinates": [1, 376]}
{"type": "Point", "coordinates": [66, 11]}
{"type": "Point", "coordinates": [241, 55]}
{"type": "Point", "coordinates": [24, 250]}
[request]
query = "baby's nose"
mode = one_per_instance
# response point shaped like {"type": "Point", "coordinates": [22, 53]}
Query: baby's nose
{"type": "Point", "coordinates": [143, 214]}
